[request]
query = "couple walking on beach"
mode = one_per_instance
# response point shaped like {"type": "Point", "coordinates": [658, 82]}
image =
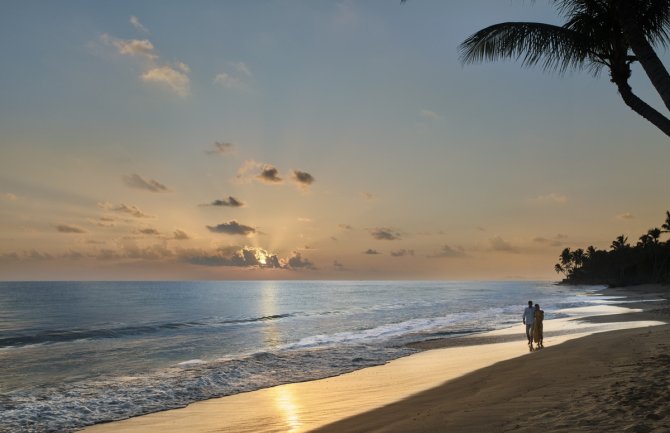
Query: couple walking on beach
{"type": "Point", "coordinates": [533, 318]}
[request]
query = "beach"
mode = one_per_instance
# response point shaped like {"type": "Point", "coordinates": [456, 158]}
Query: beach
{"type": "Point", "coordinates": [604, 373]}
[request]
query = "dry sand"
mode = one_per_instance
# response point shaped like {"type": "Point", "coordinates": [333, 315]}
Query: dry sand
{"type": "Point", "coordinates": [611, 381]}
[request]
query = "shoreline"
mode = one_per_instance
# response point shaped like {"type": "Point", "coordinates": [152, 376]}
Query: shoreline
{"type": "Point", "coordinates": [305, 406]}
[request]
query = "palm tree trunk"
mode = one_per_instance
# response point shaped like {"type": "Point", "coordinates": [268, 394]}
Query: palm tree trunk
{"type": "Point", "coordinates": [644, 52]}
{"type": "Point", "coordinates": [642, 108]}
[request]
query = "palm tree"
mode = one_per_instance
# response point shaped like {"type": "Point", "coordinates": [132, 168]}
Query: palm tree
{"type": "Point", "coordinates": [620, 243]}
{"type": "Point", "coordinates": [598, 34]}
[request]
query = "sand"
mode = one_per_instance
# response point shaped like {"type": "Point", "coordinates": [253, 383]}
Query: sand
{"type": "Point", "coordinates": [607, 381]}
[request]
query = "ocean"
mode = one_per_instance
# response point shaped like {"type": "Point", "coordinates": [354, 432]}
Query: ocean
{"type": "Point", "coordinates": [78, 353]}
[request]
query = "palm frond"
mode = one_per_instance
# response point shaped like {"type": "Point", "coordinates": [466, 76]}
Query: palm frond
{"type": "Point", "coordinates": [546, 45]}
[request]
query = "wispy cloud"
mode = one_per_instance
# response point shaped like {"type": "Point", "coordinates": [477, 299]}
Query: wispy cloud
{"type": "Point", "coordinates": [368, 196]}
{"type": "Point", "coordinates": [402, 253]}
{"type": "Point", "coordinates": [67, 228]}
{"type": "Point", "coordinates": [626, 216]}
{"type": "Point", "coordinates": [135, 22]}
{"type": "Point", "coordinates": [173, 76]}
{"type": "Point", "coordinates": [338, 266]}
{"type": "Point", "coordinates": [237, 80]}
{"type": "Point", "coordinates": [9, 196]}
{"type": "Point", "coordinates": [124, 208]}
{"type": "Point", "coordinates": [447, 251]}
{"type": "Point", "coordinates": [222, 148]}
{"type": "Point", "coordinates": [384, 234]}
{"type": "Point", "coordinates": [232, 228]}
{"type": "Point", "coordinates": [345, 226]}
{"type": "Point", "coordinates": [428, 114]}
{"type": "Point", "coordinates": [552, 198]}
{"type": "Point", "coordinates": [137, 181]}
{"type": "Point", "coordinates": [264, 173]}
{"type": "Point", "coordinates": [371, 252]}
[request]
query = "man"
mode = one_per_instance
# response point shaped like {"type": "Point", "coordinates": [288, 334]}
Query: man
{"type": "Point", "coordinates": [528, 317]}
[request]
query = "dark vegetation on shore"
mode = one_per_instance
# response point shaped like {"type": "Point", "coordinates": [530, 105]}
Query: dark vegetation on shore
{"type": "Point", "coordinates": [648, 261]}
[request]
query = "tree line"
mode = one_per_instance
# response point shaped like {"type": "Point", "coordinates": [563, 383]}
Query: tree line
{"type": "Point", "coordinates": [648, 261]}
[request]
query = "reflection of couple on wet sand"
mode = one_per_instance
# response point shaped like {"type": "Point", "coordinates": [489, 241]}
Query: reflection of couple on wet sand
{"type": "Point", "coordinates": [533, 318]}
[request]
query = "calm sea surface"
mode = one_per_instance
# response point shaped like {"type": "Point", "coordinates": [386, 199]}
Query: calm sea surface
{"type": "Point", "coordinates": [77, 353]}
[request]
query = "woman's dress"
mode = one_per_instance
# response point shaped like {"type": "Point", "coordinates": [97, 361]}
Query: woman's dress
{"type": "Point", "coordinates": [537, 326]}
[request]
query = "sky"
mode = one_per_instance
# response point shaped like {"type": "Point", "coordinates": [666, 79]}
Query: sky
{"type": "Point", "coordinates": [305, 140]}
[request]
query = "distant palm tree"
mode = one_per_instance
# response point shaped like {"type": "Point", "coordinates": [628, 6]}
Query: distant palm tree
{"type": "Point", "coordinates": [666, 224]}
{"type": "Point", "coordinates": [598, 34]}
{"type": "Point", "coordinates": [620, 243]}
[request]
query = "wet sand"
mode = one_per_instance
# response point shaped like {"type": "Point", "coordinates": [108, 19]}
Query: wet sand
{"type": "Point", "coordinates": [489, 382]}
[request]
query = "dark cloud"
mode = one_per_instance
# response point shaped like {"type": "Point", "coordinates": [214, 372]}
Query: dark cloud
{"type": "Point", "coordinates": [181, 235]}
{"type": "Point", "coordinates": [148, 231]}
{"type": "Point", "coordinates": [371, 251]}
{"type": "Point", "coordinates": [137, 181]}
{"type": "Point", "coordinates": [269, 174]}
{"type": "Point", "coordinates": [222, 148]}
{"type": "Point", "coordinates": [402, 252]}
{"type": "Point", "coordinates": [447, 251]}
{"type": "Point", "coordinates": [66, 228]}
{"type": "Point", "coordinates": [384, 234]}
{"type": "Point", "coordinates": [297, 262]}
{"type": "Point", "coordinates": [232, 228]}
{"type": "Point", "coordinates": [304, 179]}
{"type": "Point", "coordinates": [232, 256]}
{"type": "Point", "coordinates": [229, 202]}
{"type": "Point", "coordinates": [134, 252]}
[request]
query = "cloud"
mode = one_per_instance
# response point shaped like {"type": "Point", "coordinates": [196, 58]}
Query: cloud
{"type": "Point", "coordinates": [429, 114]}
{"type": "Point", "coordinates": [302, 178]}
{"type": "Point", "coordinates": [228, 81]}
{"type": "Point", "coordinates": [269, 174]}
{"type": "Point", "coordinates": [124, 208]}
{"type": "Point", "coordinates": [345, 226]}
{"type": "Point", "coordinates": [561, 236]}
{"type": "Point", "coordinates": [384, 234]}
{"type": "Point", "coordinates": [234, 81]}
{"type": "Point", "coordinates": [9, 196]}
{"type": "Point", "coordinates": [222, 148]}
{"type": "Point", "coordinates": [626, 216]}
{"type": "Point", "coordinates": [552, 198]}
{"type": "Point", "coordinates": [242, 257]}
{"type": "Point", "coordinates": [297, 262]}
{"type": "Point", "coordinates": [181, 235]}
{"type": "Point", "coordinates": [66, 228]}
{"type": "Point", "coordinates": [368, 196]}
{"type": "Point", "coordinates": [232, 228]}
{"type": "Point", "coordinates": [148, 231]}
{"type": "Point", "coordinates": [173, 76]}
{"type": "Point", "coordinates": [370, 251]}
{"type": "Point", "coordinates": [499, 244]}
{"type": "Point", "coordinates": [137, 181]}
{"type": "Point", "coordinates": [402, 252]}
{"type": "Point", "coordinates": [138, 25]}
{"type": "Point", "coordinates": [304, 220]}
{"type": "Point", "coordinates": [447, 251]}
{"type": "Point", "coordinates": [338, 266]}
{"type": "Point", "coordinates": [545, 241]}
{"type": "Point", "coordinates": [229, 202]}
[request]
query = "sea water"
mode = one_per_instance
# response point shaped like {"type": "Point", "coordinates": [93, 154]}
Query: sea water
{"type": "Point", "coordinates": [78, 353]}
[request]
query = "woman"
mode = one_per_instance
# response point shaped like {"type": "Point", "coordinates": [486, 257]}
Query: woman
{"type": "Point", "coordinates": [537, 326]}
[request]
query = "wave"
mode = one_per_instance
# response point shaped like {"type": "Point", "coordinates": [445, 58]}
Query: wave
{"type": "Point", "coordinates": [69, 335]}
